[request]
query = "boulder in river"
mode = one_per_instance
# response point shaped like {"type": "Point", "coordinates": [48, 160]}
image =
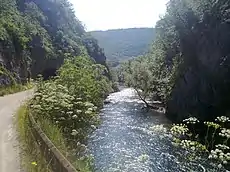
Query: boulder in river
{"type": "Point", "coordinates": [107, 102]}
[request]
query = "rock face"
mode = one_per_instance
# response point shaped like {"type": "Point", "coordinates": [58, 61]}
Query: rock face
{"type": "Point", "coordinates": [11, 68]}
{"type": "Point", "coordinates": [202, 88]}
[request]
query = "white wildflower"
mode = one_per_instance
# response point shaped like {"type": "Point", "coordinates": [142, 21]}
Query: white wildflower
{"type": "Point", "coordinates": [70, 112]}
{"type": "Point", "coordinates": [79, 111]}
{"type": "Point", "coordinates": [219, 166]}
{"type": "Point", "coordinates": [90, 109]}
{"type": "Point", "coordinates": [223, 147]}
{"type": "Point", "coordinates": [62, 118]}
{"type": "Point", "coordinates": [88, 104]}
{"type": "Point", "coordinates": [74, 132]}
{"type": "Point", "coordinates": [74, 116]}
{"type": "Point", "coordinates": [220, 155]}
{"type": "Point", "coordinates": [212, 124]}
{"type": "Point", "coordinates": [191, 120]}
{"type": "Point", "coordinates": [192, 145]}
{"type": "Point", "coordinates": [222, 119]}
{"type": "Point", "coordinates": [79, 99]}
{"type": "Point", "coordinates": [93, 127]}
{"type": "Point", "coordinates": [225, 133]}
{"type": "Point", "coordinates": [179, 129]}
{"type": "Point", "coordinates": [88, 112]}
{"type": "Point", "coordinates": [225, 162]}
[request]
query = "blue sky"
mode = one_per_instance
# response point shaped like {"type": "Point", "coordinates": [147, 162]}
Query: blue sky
{"type": "Point", "coordinates": [113, 14]}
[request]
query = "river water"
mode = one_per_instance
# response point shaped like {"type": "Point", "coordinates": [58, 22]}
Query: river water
{"type": "Point", "coordinates": [124, 143]}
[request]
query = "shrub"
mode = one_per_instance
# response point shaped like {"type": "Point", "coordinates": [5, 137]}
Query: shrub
{"type": "Point", "coordinates": [71, 101]}
{"type": "Point", "coordinates": [214, 146]}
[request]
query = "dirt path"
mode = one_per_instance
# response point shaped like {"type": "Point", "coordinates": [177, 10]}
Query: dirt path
{"type": "Point", "coordinates": [9, 150]}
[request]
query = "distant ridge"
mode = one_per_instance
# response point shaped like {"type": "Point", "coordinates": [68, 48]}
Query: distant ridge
{"type": "Point", "coordinates": [123, 44]}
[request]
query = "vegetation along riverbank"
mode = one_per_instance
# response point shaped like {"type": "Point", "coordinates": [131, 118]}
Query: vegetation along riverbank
{"type": "Point", "coordinates": [185, 70]}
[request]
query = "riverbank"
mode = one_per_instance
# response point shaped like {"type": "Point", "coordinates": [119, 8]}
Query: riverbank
{"type": "Point", "coordinates": [133, 139]}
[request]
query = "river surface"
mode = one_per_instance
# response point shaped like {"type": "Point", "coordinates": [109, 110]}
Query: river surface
{"type": "Point", "coordinates": [124, 143]}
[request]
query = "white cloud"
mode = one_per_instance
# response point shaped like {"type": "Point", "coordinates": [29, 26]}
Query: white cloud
{"type": "Point", "coordinates": [111, 14]}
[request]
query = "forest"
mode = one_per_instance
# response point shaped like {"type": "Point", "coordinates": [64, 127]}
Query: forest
{"type": "Point", "coordinates": [187, 67]}
{"type": "Point", "coordinates": [35, 39]}
{"type": "Point", "coordinates": [124, 44]}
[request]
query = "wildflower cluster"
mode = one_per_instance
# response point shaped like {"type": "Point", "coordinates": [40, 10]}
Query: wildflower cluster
{"type": "Point", "coordinates": [222, 119]}
{"type": "Point", "coordinates": [179, 129]}
{"type": "Point", "coordinates": [158, 129]}
{"type": "Point", "coordinates": [223, 147]}
{"type": "Point", "coordinates": [212, 124]}
{"type": "Point", "coordinates": [55, 102]}
{"type": "Point", "coordinates": [191, 120]}
{"type": "Point", "coordinates": [219, 154]}
{"type": "Point", "coordinates": [192, 145]}
{"type": "Point", "coordinates": [225, 133]}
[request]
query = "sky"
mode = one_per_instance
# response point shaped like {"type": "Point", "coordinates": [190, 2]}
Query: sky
{"type": "Point", "coordinates": [114, 14]}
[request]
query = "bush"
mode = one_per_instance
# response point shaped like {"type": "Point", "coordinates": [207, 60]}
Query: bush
{"type": "Point", "coordinates": [214, 146]}
{"type": "Point", "coordinates": [71, 101]}
{"type": "Point", "coordinates": [55, 102]}
{"type": "Point", "coordinates": [31, 156]}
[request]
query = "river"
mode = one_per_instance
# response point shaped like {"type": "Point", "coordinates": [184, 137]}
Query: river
{"type": "Point", "coordinates": [123, 142]}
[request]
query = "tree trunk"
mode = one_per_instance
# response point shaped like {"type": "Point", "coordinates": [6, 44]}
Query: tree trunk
{"type": "Point", "coordinates": [148, 106]}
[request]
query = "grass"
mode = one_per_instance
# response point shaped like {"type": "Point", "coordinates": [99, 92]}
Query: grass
{"type": "Point", "coordinates": [54, 133]}
{"type": "Point", "coordinates": [31, 158]}
{"type": "Point", "coordinates": [15, 88]}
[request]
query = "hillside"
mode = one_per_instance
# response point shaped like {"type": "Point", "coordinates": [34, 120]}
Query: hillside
{"type": "Point", "coordinates": [36, 36]}
{"type": "Point", "coordinates": [123, 44]}
{"type": "Point", "coordinates": [188, 66]}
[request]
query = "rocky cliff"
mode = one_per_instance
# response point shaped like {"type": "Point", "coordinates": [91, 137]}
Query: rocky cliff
{"type": "Point", "coordinates": [202, 86]}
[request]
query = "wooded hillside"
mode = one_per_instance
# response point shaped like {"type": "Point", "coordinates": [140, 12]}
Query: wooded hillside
{"type": "Point", "coordinates": [36, 36]}
{"type": "Point", "coordinates": [123, 44]}
{"type": "Point", "coordinates": [188, 66]}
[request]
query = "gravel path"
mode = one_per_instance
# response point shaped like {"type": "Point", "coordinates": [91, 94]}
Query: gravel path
{"type": "Point", "coordinates": [9, 150]}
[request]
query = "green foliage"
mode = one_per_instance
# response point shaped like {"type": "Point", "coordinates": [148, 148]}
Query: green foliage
{"type": "Point", "coordinates": [55, 102]}
{"type": "Point", "coordinates": [39, 35]}
{"type": "Point", "coordinates": [15, 88]}
{"type": "Point", "coordinates": [32, 159]}
{"type": "Point", "coordinates": [185, 136]}
{"type": "Point", "coordinates": [71, 102]}
{"type": "Point", "coordinates": [123, 44]}
{"type": "Point", "coordinates": [36, 35]}
{"type": "Point", "coordinates": [213, 150]}
{"type": "Point", "coordinates": [187, 67]}
{"type": "Point", "coordinates": [5, 72]}
{"type": "Point", "coordinates": [149, 76]}
{"type": "Point", "coordinates": [81, 72]}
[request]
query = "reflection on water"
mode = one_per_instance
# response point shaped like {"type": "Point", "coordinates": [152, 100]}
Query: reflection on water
{"type": "Point", "coordinates": [123, 140]}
